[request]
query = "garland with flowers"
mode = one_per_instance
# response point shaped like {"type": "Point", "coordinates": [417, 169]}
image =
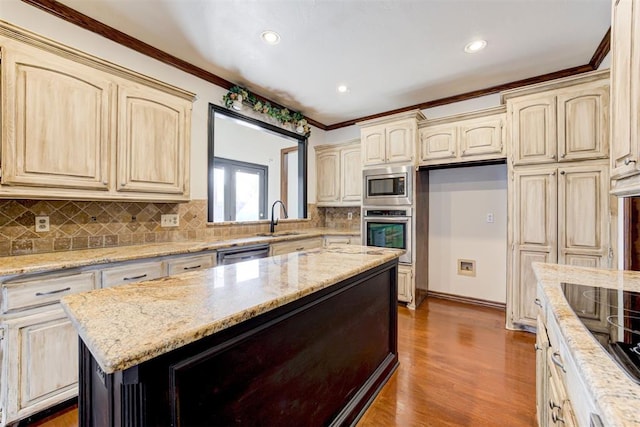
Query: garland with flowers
{"type": "Point", "coordinates": [240, 95]}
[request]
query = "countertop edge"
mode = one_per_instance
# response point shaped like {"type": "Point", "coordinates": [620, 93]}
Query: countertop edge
{"type": "Point", "coordinates": [611, 389]}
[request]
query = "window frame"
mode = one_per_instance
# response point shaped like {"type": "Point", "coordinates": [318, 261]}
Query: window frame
{"type": "Point", "coordinates": [231, 166]}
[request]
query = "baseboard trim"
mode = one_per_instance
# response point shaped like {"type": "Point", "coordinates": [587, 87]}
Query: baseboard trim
{"type": "Point", "coordinates": [468, 300]}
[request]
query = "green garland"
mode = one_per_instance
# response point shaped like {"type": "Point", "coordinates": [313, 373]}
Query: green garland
{"type": "Point", "coordinates": [282, 115]}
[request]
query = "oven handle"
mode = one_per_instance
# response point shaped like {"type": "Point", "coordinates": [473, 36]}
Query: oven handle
{"type": "Point", "coordinates": [387, 218]}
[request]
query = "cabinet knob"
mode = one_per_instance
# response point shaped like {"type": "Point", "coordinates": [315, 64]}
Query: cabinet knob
{"type": "Point", "coordinates": [563, 155]}
{"type": "Point", "coordinates": [562, 172]}
{"type": "Point", "coordinates": [553, 157]}
{"type": "Point", "coordinates": [627, 161]}
{"type": "Point", "coordinates": [537, 302]}
{"type": "Point", "coordinates": [555, 358]}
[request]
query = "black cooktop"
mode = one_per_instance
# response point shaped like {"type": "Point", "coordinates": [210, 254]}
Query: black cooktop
{"type": "Point", "coordinates": [613, 318]}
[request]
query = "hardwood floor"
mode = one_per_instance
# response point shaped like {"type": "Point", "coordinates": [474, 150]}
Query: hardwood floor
{"type": "Point", "coordinates": [458, 367]}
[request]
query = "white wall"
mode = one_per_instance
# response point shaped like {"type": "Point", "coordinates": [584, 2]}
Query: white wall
{"type": "Point", "coordinates": [47, 25]}
{"type": "Point", "coordinates": [459, 201]}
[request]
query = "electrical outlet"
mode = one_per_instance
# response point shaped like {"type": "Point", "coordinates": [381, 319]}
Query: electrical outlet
{"type": "Point", "coordinates": [42, 223]}
{"type": "Point", "coordinates": [169, 220]}
{"type": "Point", "coordinates": [490, 218]}
{"type": "Point", "coordinates": [350, 216]}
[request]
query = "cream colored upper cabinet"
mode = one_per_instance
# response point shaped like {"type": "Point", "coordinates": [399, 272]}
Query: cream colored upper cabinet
{"type": "Point", "coordinates": [438, 143]}
{"type": "Point", "coordinates": [328, 176]}
{"type": "Point", "coordinates": [400, 141]}
{"type": "Point", "coordinates": [391, 139]}
{"type": "Point", "coordinates": [339, 174]}
{"type": "Point", "coordinates": [564, 121]}
{"type": "Point", "coordinates": [463, 138]}
{"type": "Point", "coordinates": [351, 174]}
{"type": "Point", "coordinates": [583, 122]}
{"type": "Point", "coordinates": [625, 97]}
{"type": "Point", "coordinates": [153, 140]}
{"type": "Point", "coordinates": [58, 121]}
{"type": "Point", "coordinates": [373, 145]}
{"type": "Point", "coordinates": [533, 129]}
{"type": "Point", "coordinates": [77, 127]}
{"type": "Point", "coordinates": [482, 136]}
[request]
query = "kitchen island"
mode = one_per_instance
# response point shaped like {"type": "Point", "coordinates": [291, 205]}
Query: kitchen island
{"type": "Point", "coordinates": [307, 338]}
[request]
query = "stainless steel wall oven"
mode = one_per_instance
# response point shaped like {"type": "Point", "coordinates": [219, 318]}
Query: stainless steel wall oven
{"type": "Point", "coordinates": [388, 228]}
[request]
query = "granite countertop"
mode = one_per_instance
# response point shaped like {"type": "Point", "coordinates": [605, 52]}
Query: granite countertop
{"type": "Point", "coordinates": [128, 324]}
{"type": "Point", "coordinates": [615, 394]}
{"type": "Point", "coordinates": [36, 263]}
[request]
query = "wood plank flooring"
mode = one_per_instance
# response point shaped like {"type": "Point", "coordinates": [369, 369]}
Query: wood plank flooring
{"type": "Point", "coordinates": [458, 367]}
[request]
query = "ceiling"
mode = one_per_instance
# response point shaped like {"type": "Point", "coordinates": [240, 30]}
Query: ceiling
{"type": "Point", "coordinates": [390, 53]}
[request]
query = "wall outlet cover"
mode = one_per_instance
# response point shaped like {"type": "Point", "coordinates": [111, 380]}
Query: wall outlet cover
{"type": "Point", "coordinates": [42, 223]}
{"type": "Point", "coordinates": [466, 267]}
{"type": "Point", "coordinates": [169, 220]}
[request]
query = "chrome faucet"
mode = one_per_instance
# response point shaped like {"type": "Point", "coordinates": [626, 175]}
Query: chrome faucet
{"type": "Point", "coordinates": [274, 222]}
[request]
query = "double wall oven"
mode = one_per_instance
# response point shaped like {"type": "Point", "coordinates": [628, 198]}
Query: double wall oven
{"type": "Point", "coordinates": [387, 209]}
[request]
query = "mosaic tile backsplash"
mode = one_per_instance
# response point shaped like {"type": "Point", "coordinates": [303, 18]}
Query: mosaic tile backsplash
{"type": "Point", "coordinates": [83, 224]}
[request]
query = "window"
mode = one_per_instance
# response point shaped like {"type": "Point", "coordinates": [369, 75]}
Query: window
{"type": "Point", "coordinates": [240, 190]}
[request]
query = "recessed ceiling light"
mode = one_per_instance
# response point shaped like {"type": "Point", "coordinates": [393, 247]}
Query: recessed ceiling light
{"type": "Point", "coordinates": [271, 37]}
{"type": "Point", "coordinates": [343, 88]}
{"type": "Point", "coordinates": [475, 46]}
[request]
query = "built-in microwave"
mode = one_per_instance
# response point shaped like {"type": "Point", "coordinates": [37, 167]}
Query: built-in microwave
{"type": "Point", "coordinates": [387, 186]}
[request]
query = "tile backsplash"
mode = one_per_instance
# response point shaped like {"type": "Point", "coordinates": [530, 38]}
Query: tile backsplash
{"type": "Point", "coordinates": [97, 224]}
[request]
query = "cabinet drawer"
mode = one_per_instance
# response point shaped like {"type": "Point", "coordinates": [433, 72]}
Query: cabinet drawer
{"type": "Point", "coordinates": [341, 240]}
{"type": "Point", "coordinates": [190, 263]}
{"type": "Point", "coordinates": [132, 273]}
{"type": "Point", "coordinates": [294, 246]}
{"type": "Point", "coordinates": [44, 290]}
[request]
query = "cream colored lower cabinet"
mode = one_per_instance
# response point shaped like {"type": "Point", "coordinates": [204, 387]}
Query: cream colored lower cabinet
{"type": "Point", "coordinates": [38, 344]}
{"type": "Point", "coordinates": [559, 213]}
{"type": "Point", "coordinates": [132, 272]}
{"type": "Point", "coordinates": [282, 248]}
{"type": "Point", "coordinates": [41, 355]}
{"type": "Point", "coordinates": [405, 283]}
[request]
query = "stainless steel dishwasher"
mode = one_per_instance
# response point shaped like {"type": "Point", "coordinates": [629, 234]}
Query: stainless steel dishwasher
{"type": "Point", "coordinates": [242, 253]}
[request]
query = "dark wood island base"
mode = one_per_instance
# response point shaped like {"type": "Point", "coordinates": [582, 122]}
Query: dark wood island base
{"type": "Point", "coordinates": [320, 360]}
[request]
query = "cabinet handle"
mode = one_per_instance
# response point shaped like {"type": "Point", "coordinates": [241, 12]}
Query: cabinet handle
{"type": "Point", "coordinates": [537, 347]}
{"type": "Point", "coordinates": [57, 291]}
{"type": "Point", "coordinates": [537, 302]}
{"type": "Point", "coordinates": [105, 182]}
{"type": "Point", "coordinates": [627, 161]}
{"type": "Point", "coordinates": [552, 405]}
{"type": "Point", "coordinates": [300, 249]}
{"type": "Point", "coordinates": [555, 358]}
{"type": "Point", "coordinates": [135, 277]}
{"type": "Point", "coordinates": [193, 267]}
{"type": "Point", "coordinates": [556, 418]}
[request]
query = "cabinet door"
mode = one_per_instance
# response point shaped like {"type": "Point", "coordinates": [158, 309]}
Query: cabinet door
{"type": "Point", "coordinates": [56, 121]}
{"type": "Point", "coordinates": [438, 143]}
{"type": "Point", "coordinates": [373, 145]}
{"type": "Point", "coordinates": [542, 379]}
{"type": "Point", "coordinates": [400, 142]}
{"type": "Point", "coordinates": [351, 174]}
{"type": "Point", "coordinates": [481, 137]}
{"type": "Point", "coordinates": [583, 122]}
{"type": "Point", "coordinates": [533, 129]}
{"type": "Point", "coordinates": [405, 284]}
{"type": "Point", "coordinates": [42, 352]}
{"type": "Point", "coordinates": [152, 141]}
{"type": "Point", "coordinates": [583, 216]}
{"type": "Point", "coordinates": [534, 192]}
{"type": "Point", "coordinates": [625, 53]}
{"type": "Point", "coordinates": [328, 176]}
